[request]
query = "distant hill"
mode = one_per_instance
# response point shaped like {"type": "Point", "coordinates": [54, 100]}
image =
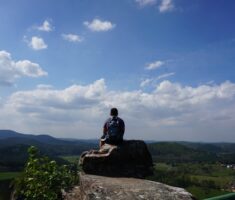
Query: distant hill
{"type": "Point", "coordinates": [19, 138]}
{"type": "Point", "coordinates": [10, 138]}
{"type": "Point", "coordinates": [13, 147]}
{"type": "Point", "coordinates": [9, 134]}
{"type": "Point", "coordinates": [202, 146]}
{"type": "Point", "coordinates": [175, 152]}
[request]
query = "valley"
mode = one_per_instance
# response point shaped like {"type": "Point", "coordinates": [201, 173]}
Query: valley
{"type": "Point", "coordinates": [204, 169]}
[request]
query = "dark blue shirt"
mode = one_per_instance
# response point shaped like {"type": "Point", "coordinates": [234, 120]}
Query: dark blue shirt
{"type": "Point", "coordinates": [105, 127]}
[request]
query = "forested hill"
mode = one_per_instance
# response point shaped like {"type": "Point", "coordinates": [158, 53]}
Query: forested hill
{"type": "Point", "coordinates": [47, 144]}
{"type": "Point", "coordinates": [13, 147]}
{"type": "Point", "coordinates": [192, 152]}
{"type": "Point", "coordinates": [12, 136]}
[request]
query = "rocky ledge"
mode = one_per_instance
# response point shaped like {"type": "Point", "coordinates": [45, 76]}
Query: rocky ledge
{"type": "Point", "coordinates": [107, 175]}
{"type": "Point", "coordinates": [129, 159]}
{"type": "Point", "coordinates": [107, 188]}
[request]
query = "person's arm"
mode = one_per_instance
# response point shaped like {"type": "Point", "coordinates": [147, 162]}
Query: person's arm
{"type": "Point", "coordinates": [123, 126]}
{"type": "Point", "coordinates": [104, 134]}
{"type": "Point", "coordinates": [105, 128]}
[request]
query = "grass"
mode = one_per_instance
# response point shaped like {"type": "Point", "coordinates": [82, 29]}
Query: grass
{"type": "Point", "coordinates": [71, 159]}
{"type": "Point", "coordinates": [220, 181]}
{"type": "Point", "coordinates": [162, 166]}
{"type": "Point", "coordinates": [8, 175]}
{"type": "Point", "coordinates": [202, 193]}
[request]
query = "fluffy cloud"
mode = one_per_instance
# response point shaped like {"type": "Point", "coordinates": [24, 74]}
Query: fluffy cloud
{"type": "Point", "coordinates": [27, 68]}
{"type": "Point", "coordinates": [166, 5]}
{"type": "Point", "coordinates": [46, 26]}
{"type": "Point", "coordinates": [99, 26]}
{"type": "Point", "coordinates": [72, 37]}
{"type": "Point", "coordinates": [73, 97]}
{"type": "Point", "coordinates": [37, 43]}
{"type": "Point", "coordinates": [170, 111]}
{"type": "Point", "coordinates": [146, 2]}
{"type": "Point", "coordinates": [155, 65]}
{"type": "Point", "coordinates": [11, 70]}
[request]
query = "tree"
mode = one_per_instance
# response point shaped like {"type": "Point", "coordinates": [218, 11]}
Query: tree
{"type": "Point", "coordinates": [43, 178]}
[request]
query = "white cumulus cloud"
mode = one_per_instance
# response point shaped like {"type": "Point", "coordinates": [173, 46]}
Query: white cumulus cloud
{"type": "Point", "coordinates": [166, 5]}
{"type": "Point", "coordinates": [37, 43]}
{"type": "Point", "coordinates": [11, 70]}
{"type": "Point", "coordinates": [170, 111]}
{"type": "Point", "coordinates": [46, 26]}
{"type": "Point", "coordinates": [27, 68]}
{"type": "Point", "coordinates": [99, 26]}
{"type": "Point", "coordinates": [72, 37]}
{"type": "Point", "coordinates": [155, 65]}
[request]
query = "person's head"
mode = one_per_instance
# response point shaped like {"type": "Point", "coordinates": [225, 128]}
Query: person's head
{"type": "Point", "coordinates": [114, 112]}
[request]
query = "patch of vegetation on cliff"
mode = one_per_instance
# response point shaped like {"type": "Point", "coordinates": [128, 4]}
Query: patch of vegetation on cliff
{"type": "Point", "coordinates": [44, 178]}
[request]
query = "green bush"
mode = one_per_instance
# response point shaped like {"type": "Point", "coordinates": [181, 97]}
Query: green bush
{"type": "Point", "coordinates": [43, 178]}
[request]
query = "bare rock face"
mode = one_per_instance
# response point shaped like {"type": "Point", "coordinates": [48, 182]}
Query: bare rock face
{"type": "Point", "coordinates": [106, 188]}
{"type": "Point", "coordinates": [130, 159]}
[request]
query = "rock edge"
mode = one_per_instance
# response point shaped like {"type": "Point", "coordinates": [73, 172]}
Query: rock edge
{"type": "Point", "coordinates": [108, 188]}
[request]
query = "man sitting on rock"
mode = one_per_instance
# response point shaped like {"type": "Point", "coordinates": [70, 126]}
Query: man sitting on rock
{"type": "Point", "coordinates": [113, 130]}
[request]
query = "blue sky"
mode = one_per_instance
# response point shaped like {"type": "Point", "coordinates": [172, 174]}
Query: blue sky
{"type": "Point", "coordinates": [168, 65]}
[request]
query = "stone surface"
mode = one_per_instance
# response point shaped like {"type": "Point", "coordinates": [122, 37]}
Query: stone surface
{"type": "Point", "coordinates": [107, 188]}
{"type": "Point", "coordinates": [130, 159]}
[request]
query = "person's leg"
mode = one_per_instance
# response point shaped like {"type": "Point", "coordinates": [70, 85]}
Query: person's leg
{"type": "Point", "coordinates": [102, 140]}
{"type": "Point", "coordinates": [102, 143]}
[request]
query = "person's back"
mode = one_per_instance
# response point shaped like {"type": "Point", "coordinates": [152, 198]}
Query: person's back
{"type": "Point", "coordinates": [113, 129]}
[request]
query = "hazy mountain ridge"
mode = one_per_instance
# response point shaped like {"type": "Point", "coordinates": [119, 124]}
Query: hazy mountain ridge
{"type": "Point", "coordinates": [13, 149]}
{"type": "Point", "coordinates": [7, 134]}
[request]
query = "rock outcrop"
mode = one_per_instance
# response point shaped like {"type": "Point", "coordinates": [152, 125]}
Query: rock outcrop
{"type": "Point", "coordinates": [107, 188]}
{"type": "Point", "coordinates": [130, 159]}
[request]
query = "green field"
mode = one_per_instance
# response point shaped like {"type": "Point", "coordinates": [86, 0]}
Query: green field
{"type": "Point", "coordinates": [71, 159]}
{"type": "Point", "coordinates": [8, 175]}
{"type": "Point", "coordinates": [220, 182]}
{"type": "Point", "coordinates": [202, 180]}
{"type": "Point", "coordinates": [202, 193]}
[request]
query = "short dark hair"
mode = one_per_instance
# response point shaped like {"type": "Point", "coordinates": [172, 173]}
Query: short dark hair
{"type": "Point", "coordinates": [114, 112]}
